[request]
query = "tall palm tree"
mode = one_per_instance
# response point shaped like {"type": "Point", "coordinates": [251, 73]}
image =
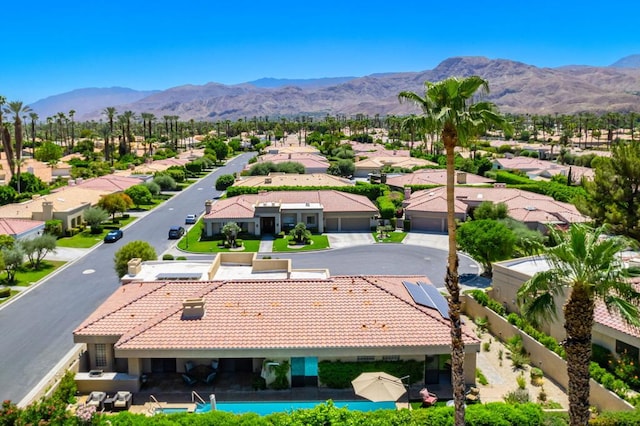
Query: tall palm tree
{"type": "Point", "coordinates": [589, 268]}
{"type": "Point", "coordinates": [110, 112]}
{"type": "Point", "coordinates": [34, 118]}
{"type": "Point", "coordinates": [16, 108]}
{"type": "Point", "coordinates": [6, 146]}
{"type": "Point", "coordinates": [449, 110]}
{"type": "Point", "coordinates": [73, 141]}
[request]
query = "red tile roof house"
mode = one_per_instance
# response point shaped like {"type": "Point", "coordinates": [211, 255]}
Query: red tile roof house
{"type": "Point", "coordinates": [609, 330]}
{"type": "Point", "coordinates": [313, 163]}
{"type": "Point", "coordinates": [427, 209]}
{"type": "Point", "coordinates": [21, 229]}
{"type": "Point", "coordinates": [536, 169]}
{"type": "Point", "coordinates": [161, 325]}
{"type": "Point", "coordinates": [374, 165]}
{"type": "Point", "coordinates": [276, 211]}
{"type": "Point", "coordinates": [435, 177]}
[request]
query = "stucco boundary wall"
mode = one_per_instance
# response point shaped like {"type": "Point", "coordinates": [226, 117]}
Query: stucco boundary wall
{"type": "Point", "coordinates": [49, 383]}
{"type": "Point", "coordinates": [549, 362]}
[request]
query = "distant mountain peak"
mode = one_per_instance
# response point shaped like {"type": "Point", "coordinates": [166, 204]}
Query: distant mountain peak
{"type": "Point", "coordinates": [631, 61]}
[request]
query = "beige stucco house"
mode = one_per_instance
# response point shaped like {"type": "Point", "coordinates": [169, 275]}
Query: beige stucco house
{"type": "Point", "coordinates": [256, 314]}
{"type": "Point", "coordinates": [276, 211]}
{"type": "Point", "coordinates": [609, 330]}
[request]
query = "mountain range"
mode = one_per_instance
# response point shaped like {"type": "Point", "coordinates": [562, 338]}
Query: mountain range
{"type": "Point", "coordinates": [515, 87]}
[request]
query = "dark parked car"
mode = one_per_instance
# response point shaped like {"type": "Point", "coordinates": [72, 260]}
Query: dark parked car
{"type": "Point", "coordinates": [176, 232]}
{"type": "Point", "coordinates": [190, 219]}
{"type": "Point", "coordinates": [113, 236]}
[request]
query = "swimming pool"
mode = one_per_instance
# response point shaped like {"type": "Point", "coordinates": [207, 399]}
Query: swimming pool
{"type": "Point", "coordinates": [170, 410]}
{"type": "Point", "coordinates": [269, 407]}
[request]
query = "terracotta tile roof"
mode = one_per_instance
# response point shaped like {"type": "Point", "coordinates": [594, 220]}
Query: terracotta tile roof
{"type": "Point", "coordinates": [110, 183]}
{"type": "Point", "coordinates": [379, 162]}
{"type": "Point", "coordinates": [516, 200]}
{"type": "Point", "coordinates": [308, 160]}
{"type": "Point", "coordinates": [292, 179]}
{"type": "Point", "coordinates": [377, 150]}
{"type": "Point", "coordinates": [614, 320]}
{"type": "Point", "coordinates": [15, 227]}
{"type": "Point", "coordinates": [341, 312]}
{"type": "Point", "coordinates": [432, 177]}
{"type": "Point", "coordinates": [433, 201]}
{"type": "Point", "coordinates": [242, 206]}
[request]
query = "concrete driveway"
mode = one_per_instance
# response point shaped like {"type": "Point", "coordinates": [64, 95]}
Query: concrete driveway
{"type": "Point", "coordinates": [349, 239]}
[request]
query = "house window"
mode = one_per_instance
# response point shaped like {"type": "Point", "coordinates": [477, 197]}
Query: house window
{"type": "Point", "coordinates": [311, 220]}
{"type": "Point", "coordinates": [391, 358]}
{"type": "Point", "coordinates": [101, 355]}
{"type": "Point", "coordinates": [366, 358]}
{"type": "Point", "coordinates": [629, 350]}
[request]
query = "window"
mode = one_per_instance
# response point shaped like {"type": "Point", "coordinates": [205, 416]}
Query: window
{"type": "Point", "coordinates": [391, 358]}
{"type": "Point", "coordinates": [311, 220]}
{"type": "Point", "coordinates": [624, 348]}
{"type": "Point", "coordinates": [366, 358]}
{"type": "Point", "coordinates": [101, 355]}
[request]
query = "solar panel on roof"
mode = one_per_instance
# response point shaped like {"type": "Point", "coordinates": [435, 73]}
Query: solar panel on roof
{"type": "Point", "coordinates": [438, 299]}
{"type": "Point", "coordinates": [418, 295]}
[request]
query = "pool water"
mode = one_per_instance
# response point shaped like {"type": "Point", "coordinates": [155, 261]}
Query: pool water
{"type": "Point", "coordinates": [264, 408]}
{"type": "Point", "coordinates": [170, 410]}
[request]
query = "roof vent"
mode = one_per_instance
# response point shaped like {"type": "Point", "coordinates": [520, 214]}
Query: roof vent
{"type": "Point", "coordinates": [267, 180]}
{"type": "Point", "coordinates": [193, 308]}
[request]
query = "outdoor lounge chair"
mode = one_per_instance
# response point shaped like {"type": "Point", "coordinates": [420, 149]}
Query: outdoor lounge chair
{"type": "Point", "coordinates": [188, 366]}
{"type": "Point", "coordinates": [214, 364]}
{"type": "Point", "coordinates": [428, 398]}
{"type": "Point", "coordinates": [189, 380]}
{"type": "Point", "coordinates": [96, 399]}
{"type": "Point", "coordinates": [122, 400]}
{"type": "Point", "coordinates": [211, 377]}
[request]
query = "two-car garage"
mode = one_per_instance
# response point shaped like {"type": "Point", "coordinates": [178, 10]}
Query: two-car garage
{"type": "Point", "coordinates": [347, 224]}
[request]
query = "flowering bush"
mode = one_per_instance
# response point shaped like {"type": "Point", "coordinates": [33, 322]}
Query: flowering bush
{"type": "Point", "coordinates": [9, 413]}
{"type": "Point", "coordinates": [625, 367]}
{"type": "Point", "coordinates": [85, 413]}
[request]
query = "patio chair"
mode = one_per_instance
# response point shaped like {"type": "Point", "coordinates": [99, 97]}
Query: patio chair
{"type": "Point", "coordinates": [428, 398]}
{"type": "Point", "coordinates": [189, 380]}
{"type": "Point", "coordinates": [214, 364]}
{"type": "Point", "coordinates": [122, 400]}
{"type": "Point", "coordinates": [211, 377]}
{"type": "Point", "coordinates": [96, 399]}
{"type": "Point", "coordinates": [188, 366]}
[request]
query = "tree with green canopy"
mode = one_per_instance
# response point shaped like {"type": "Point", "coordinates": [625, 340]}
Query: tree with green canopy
{"type": "Point", "coordinates": [132, 250]}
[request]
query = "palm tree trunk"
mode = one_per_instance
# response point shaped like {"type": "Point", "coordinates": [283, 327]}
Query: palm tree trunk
{"type": "Point", "coordinates": [449, 138]}
{"type": "Point", "coordinates": [578, 312]}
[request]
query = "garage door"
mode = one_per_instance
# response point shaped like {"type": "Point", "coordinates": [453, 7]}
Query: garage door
{"type": "Point", "coordinates": [331, 225]}
{"type": "Point", "coordinates": [355, 224]}
{"type": "Point", "coordinates": [428, 224]}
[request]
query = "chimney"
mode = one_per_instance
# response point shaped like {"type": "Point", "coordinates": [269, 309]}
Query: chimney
{"type": "Point", "coordinates": [47, 210]}
{"type": "Point", "coordinates": [192, 308]}
{"type": "Point", "coordinates": [407, 193]}
{"type": "Point", "coordinates": [267, 180]}
{"type": "Point", "coordinates": [134, 266]}
{"type": "Point", "coordinates": [499, 185]}
{"type": "Point", "coordinates": [207, 206]}
{"type": "Point", "coordinates": [461, 178]}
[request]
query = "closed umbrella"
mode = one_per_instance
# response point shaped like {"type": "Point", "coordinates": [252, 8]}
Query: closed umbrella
{"type": "Point", "coordinates": [378, 386]}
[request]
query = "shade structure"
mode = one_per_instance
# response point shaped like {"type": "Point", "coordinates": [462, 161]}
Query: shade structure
{"type": "Point", "coordinates": [378, 386]}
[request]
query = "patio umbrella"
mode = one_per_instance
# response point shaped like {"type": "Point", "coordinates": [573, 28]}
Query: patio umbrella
{"type": "Point", "coordinates": [378, 386]}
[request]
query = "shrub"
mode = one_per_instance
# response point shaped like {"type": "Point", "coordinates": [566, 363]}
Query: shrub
{"type": "Point", "coordinates": [167, 256]}
{"type": "Point", "coordinates": [482, 379]}
{"type": "Point", "coordinates": [517, 396]}
{"type": "Point", "coordinates": [224, 182]}
{"type": "Point", "coordinates": [5, 292]}
{"type": "Point", "coordinates": [521, 381]}
{"type": "Point", "coordinates": [536, 376]}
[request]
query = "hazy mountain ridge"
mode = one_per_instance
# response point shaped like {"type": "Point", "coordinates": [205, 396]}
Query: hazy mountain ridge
{"type": "Point", "coordinates": [515, 87]}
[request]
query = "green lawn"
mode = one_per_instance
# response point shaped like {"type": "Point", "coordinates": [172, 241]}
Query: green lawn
{"type": "Point", "coordinates": [191, 242]}
{"type": "Point", "coordinates": [389, 237]}
{"type": "Point", "coordinates": [318, 242]}
{"type": "Point", "coordinates": [86, 239]}
{"type": "Point", "coordinates": [13, 293]}
{"type": "Point", "coordinates": [27, 276]}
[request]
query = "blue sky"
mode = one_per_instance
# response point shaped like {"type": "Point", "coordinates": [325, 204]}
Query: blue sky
{"type": "Point", "coordinates": [55, 47]}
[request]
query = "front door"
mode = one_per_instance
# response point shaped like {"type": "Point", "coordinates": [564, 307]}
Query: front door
{"type": "Point", "coordinates": [268, 225]}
